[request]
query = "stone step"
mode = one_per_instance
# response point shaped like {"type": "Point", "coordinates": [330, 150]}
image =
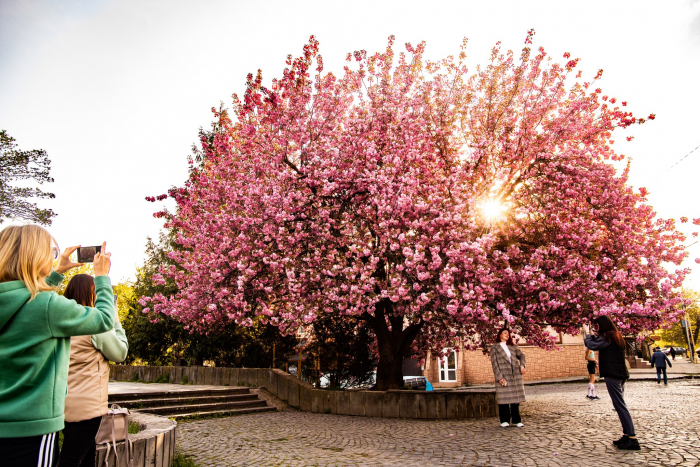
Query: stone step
{"type": "Point", "coordinates": [177, 394]}
{"type": "Point", "coordinates": [641, 363]}
{"type": "Point", "coordinates": [214, 407]}
{"type": "Point", "coordinates": [191, 400]}
{"type": "Point", "coordinates": [214, 413]}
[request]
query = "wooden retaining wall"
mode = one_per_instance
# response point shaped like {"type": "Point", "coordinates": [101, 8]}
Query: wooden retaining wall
{"type": "Point", "coordinates": [390, 404]}
{"type": "Point", "coordinates": [154, 445]}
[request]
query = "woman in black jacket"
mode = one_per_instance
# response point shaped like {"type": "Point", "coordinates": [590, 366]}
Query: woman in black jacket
{"type": "Point", "coordinates": [611, 361]}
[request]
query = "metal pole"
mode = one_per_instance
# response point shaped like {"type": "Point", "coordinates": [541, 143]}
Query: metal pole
{"type": "Point", "coordinates": [689, 335]}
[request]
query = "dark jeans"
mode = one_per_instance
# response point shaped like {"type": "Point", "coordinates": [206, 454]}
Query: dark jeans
{"type": "Point", "coordinates": [30, 451]}
{"type": "Point", "coordinates": [508, 411]}
{"type": "Point", "coordinates": [616, 389]}
{"type": "Point", "coordinates": [658, 374]}
{"type": "Point", "coordinates": [79, 443]}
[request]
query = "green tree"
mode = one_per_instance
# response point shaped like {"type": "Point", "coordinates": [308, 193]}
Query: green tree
{"type": "Point", "coordinates": [343, 349]}
{"type": "Point", "coordinates": [22, 166]}
{"type": "Point", "coordinates": [676, 334]}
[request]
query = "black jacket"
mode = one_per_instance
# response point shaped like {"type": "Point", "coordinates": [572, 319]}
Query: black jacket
{"type": "Point", "coordinates": [611, 357]}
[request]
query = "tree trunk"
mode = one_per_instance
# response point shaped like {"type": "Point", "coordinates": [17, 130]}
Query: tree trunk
{"type": "Point", "coordinates": [393, 344]}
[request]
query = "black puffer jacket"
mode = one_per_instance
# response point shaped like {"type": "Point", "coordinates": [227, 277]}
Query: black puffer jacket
{"type": "Point", "coordinates": [611, 357]}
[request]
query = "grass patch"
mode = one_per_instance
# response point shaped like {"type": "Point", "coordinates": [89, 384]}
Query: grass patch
{"type": "Point", "coordinates": [163, 378]}
{"type": "Point", "coordinates": [183, 460]}
{"type": "Point", "coordinates": [134, 428]}
{"type": "Point", "coordinates": [185, 380]}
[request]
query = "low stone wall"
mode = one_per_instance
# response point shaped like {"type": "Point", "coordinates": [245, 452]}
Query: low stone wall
{"type": "Point", "coordinates": [154, 445]}
{"type": "Point", "coordinates": [390, 404]}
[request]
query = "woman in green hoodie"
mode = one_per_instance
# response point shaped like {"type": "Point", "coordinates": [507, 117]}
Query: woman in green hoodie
{"type": "Point", "coordinates": [36, 325]}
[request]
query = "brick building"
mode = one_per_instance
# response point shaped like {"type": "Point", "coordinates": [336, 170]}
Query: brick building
{"type": "Point", "coordinates": [473, 367]}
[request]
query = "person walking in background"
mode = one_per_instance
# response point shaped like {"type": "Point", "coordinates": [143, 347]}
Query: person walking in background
{"type": "Point", "coordinates": [672, 351]}
{"type": "Point", "coordinates": [611, 352]}
{"type": "Point", "coordinates": [36, 325]}
{"type": "Point", "coordinates": [591, 364]}
{"type": "Point", "coordinates": [88, 378]}
{"type": "Point", "coordinates": [508, 363]}
{"type": "Point", "coordinates": [659, 360]}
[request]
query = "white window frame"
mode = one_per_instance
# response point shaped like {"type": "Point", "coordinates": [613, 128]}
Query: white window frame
{"type": "Point", "coordinates": [444, 370]}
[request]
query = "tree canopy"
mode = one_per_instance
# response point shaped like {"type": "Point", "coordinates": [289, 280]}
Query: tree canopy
{"type": "Point", "coordinates": [434, 204]}
{"type": "Point", "coordinates": [20, 166]}
{"type": "Point", "coordinates": [674, 333]}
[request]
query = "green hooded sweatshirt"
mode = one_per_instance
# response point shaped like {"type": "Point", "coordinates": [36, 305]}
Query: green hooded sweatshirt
{"type": "Point", "coordinates": [35, 352]}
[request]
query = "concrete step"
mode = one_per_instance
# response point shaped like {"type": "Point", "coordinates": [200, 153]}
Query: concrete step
{"type": "Point", "coordinates": [214, 413]}
{"type": "Point", "coordinates": [641, 363]}
{"type": "Point", "coordinates": [190, 400]}
{"type": "Point", "coordinates": [197, 408]}
{"type": "Point", "coordinates": [177, 394]}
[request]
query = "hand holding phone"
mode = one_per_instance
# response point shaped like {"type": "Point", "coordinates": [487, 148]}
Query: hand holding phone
{"type": "Point", "coordinates": [102, 261]}
{"type": "Point", "coordinates": [64, 262]}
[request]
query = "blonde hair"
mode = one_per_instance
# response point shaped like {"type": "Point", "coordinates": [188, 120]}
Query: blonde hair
{"type": "Point", "coordinates": [24, 252]}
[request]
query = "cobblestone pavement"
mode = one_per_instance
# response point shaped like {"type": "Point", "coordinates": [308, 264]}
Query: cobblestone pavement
{"type": "Point", "coordinates": [562, 428]}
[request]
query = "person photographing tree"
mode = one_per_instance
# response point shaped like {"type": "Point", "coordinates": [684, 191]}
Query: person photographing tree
{"type": "Point", "coordinates": [36, 325]}
{"type": "Point", "coordinates": [610, 344]}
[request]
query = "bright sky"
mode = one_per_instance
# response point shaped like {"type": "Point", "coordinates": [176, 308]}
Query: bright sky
{"type": "Point", "coordinates": [115, 91]}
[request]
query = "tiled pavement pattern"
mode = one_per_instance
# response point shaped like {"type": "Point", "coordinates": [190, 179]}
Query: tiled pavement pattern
{"type": "Point", "coordinates": [562, 429]}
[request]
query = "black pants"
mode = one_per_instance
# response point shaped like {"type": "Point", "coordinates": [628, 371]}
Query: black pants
{"type": "Point", "coordinates": [79, 443]}
{"type": "Point", "coordinates": [616, 389]}
{"type": "Point", "coordinates": [508, 411]}
{"type": "Point", "coordinates": [30, 451]}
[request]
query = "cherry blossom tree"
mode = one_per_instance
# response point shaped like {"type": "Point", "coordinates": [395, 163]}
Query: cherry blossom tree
{"type": "Point", "coordinates": [434, 204]}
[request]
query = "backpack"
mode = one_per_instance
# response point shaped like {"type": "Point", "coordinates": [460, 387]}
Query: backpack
{"type": "Point", "coordinates": [114, 427]}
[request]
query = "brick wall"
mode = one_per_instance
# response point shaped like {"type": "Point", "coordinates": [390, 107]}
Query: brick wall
{"type": "Point", "coordinates": [475, 368]}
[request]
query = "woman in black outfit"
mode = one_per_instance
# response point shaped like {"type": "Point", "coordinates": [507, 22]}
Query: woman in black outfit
{"type": "Point", "coordinates": [611, 361]}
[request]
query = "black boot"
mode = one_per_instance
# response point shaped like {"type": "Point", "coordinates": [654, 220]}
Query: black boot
{"type": "Point", "coordinates": [632, 444]}
{"type": "Point", "coordinates": [622, 440]}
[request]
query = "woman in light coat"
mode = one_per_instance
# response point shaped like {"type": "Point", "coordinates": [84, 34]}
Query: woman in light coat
{"type": "Point", "coordinates": [88, 377]}
{"type": "Point", "coordinates": [508, 363]}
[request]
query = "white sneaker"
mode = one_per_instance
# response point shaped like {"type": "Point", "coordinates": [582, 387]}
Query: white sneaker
{"type": "Point", "coordinates": [520, 425]}
{"type": "Point", "coordinates": [505, 425]}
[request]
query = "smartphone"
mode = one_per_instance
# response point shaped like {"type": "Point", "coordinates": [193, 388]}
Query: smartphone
{"type": "Point", "coordinates": [86, 254]}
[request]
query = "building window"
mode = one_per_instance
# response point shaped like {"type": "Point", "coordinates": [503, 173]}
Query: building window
{"type": "Point", "coordinates": [448, 367]}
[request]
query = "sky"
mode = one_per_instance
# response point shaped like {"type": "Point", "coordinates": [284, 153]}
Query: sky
{"type": "Point", "coordinates": [116, 91]}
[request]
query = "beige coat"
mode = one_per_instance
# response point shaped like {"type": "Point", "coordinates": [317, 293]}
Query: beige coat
{"type": "Point", "coordinates": [514, 391]}
{"type": "Point", "coordinates": [88, 377]}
